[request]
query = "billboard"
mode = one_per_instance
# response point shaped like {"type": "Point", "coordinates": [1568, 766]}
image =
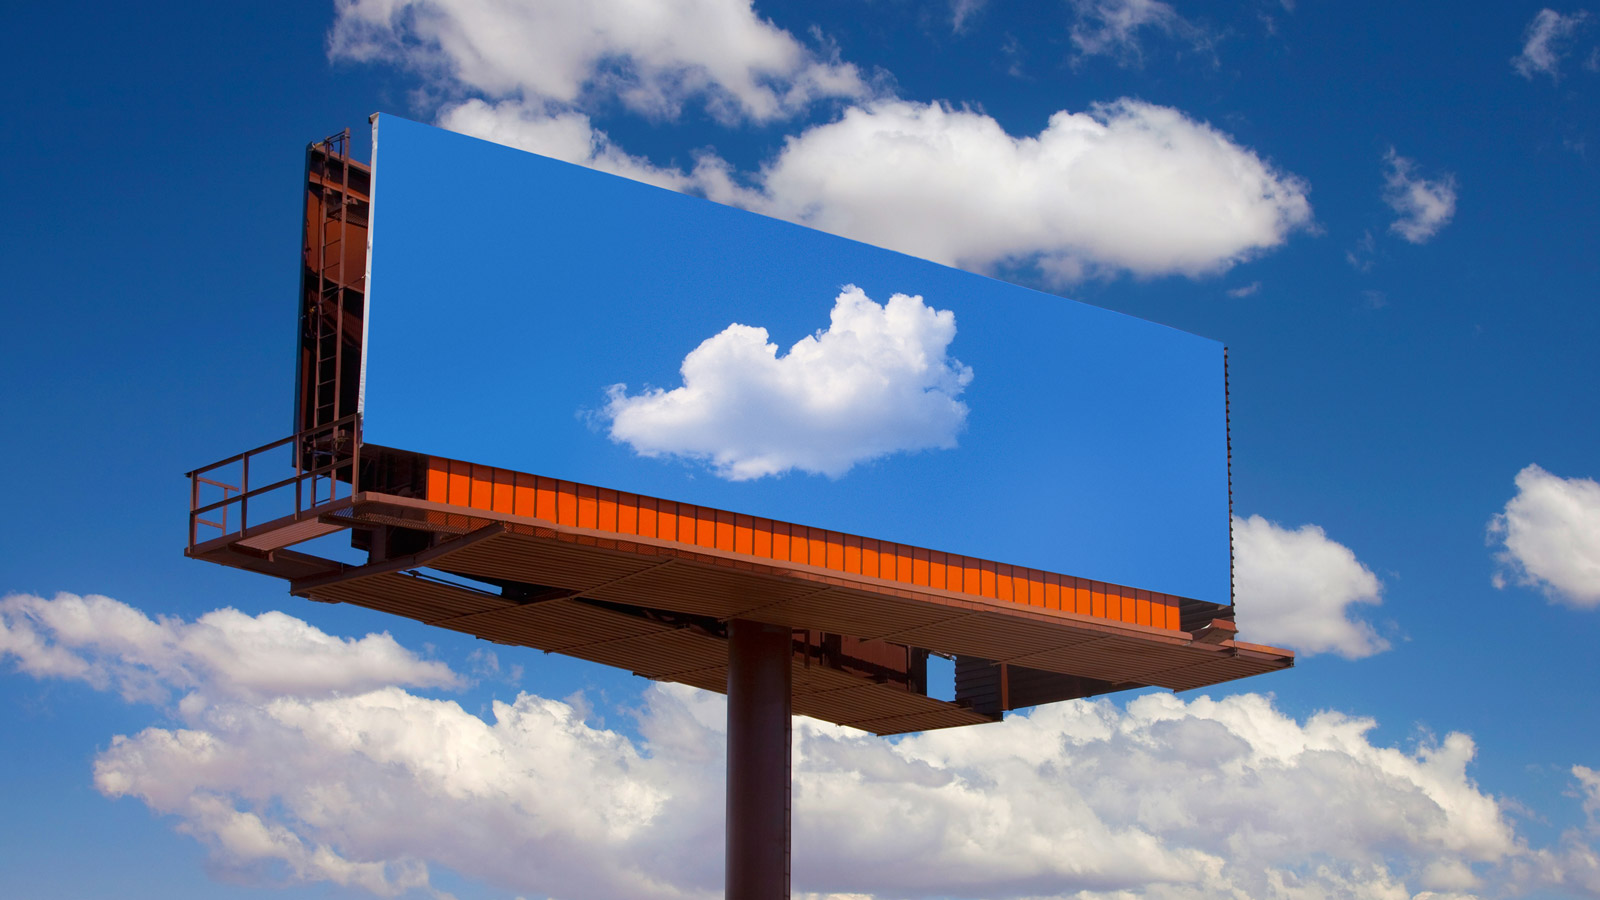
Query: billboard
{"type": "Point", "coordinates": [538, 316]}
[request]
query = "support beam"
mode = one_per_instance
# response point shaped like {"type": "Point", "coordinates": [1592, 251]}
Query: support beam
{"type": "Point", "coordinates": [302, 587]}
{"type": "Point", "coordinates": [759, 681]}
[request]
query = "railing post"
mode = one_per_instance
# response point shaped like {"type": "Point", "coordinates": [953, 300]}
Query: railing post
{"type": "Point", "coordinates": [343, 449]}
{"type": "Point", "coordinates": [194, 504]}
{"type": "Point", "coordinates": [244, 496]}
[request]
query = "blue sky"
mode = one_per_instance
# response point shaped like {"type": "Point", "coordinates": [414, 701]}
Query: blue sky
{"type": "Point", "coordinates": [1387, 215]}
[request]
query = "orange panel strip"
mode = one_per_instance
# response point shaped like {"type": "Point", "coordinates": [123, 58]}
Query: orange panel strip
{"type": "Point", "coordinates": [457, 483]}
{"type": "Point", "coordinates": [525, 495]}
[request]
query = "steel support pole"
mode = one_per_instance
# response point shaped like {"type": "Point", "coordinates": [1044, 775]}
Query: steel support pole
{"type": "Point", "coordinates": [759, 680]}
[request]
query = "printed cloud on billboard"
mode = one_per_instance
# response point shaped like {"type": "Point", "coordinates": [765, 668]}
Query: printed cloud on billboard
{"type": "Point", "coordinates": [877, 381]}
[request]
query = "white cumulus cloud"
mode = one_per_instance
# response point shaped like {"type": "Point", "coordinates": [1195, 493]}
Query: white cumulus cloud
{"type": "Point", "coordinates": [385, 783]}
{"type": "Point", "coordinates": [1546, 41]}
{"type": "Point", "coordinates": [878, 381]}
{"type": "Point", "coordinates": [1550, 537]}
{"type": "Point", "coordinates": [1127, 186]}
{"type": "Point", "coordinates": [1162, 798]}
{"type": "Point", "coordinates": [1298, 587]}
{"type": "Point", "coordinates": [112, 645]}
{"type": "Point", "coordinates": [1423, 205]}
{"type": "Point", "coordinates": [652, 55]}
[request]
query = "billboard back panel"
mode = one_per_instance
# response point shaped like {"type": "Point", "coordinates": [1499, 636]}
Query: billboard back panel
{"type": "Point", "coordinates": [511, 295]}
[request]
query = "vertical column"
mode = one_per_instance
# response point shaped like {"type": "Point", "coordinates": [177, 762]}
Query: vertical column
{"type": "Point", "coordinates": [759, 678]}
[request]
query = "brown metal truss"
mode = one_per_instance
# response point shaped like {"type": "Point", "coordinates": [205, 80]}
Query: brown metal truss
{"type": "Point", "coordinates": [859, 645]}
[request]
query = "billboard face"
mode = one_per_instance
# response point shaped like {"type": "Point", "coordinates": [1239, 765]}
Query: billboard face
{"type": "Point", "coordinates": [542, 317]}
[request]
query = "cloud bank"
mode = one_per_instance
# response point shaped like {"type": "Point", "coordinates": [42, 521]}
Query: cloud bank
{"type": "Point", "coordinates": [1549, 534]}
{"type": "Point", "coordinates": [1297, 587]}
{"type": "Point", "coordinates": [877, 381]}
{"type": "Point", "coordinates": [1423, 206]}
{"type": "Point", "coordinates": [1162, 798]}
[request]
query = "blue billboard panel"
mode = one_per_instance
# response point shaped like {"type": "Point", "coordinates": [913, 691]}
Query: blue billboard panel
{"type": "Point", "coordinates": [538, 316]}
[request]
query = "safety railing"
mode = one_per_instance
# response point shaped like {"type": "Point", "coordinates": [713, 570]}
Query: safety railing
{"type": "Point", "coordinates": [326, 468]}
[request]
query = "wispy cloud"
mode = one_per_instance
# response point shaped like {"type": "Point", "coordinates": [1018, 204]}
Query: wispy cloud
{"type": "Point", "coordinates": [963, 10]}
{"type": "Point", "coordinates": [1549, 534]}
{"type": "Point", "coordinates": [1247, 290]}
{"type": "Point", "coordinates": [1116, 28]}
{"type": "Point", "coordinates": [1423, 205]}
{"type": "Point", "coordinates": [1300, 588]}
{"type": "Point", "coordinates": [877, 381]}
{"type": "Point", "coordinates": [1589, 783]}
{"type": "Point", "coordinates": [1546, 41]}
{"type": "Point", "coordinates": [1360, 256]}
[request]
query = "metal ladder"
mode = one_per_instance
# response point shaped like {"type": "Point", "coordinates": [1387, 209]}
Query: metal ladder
{"type": "Point", "coordinates": [329, 312]}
